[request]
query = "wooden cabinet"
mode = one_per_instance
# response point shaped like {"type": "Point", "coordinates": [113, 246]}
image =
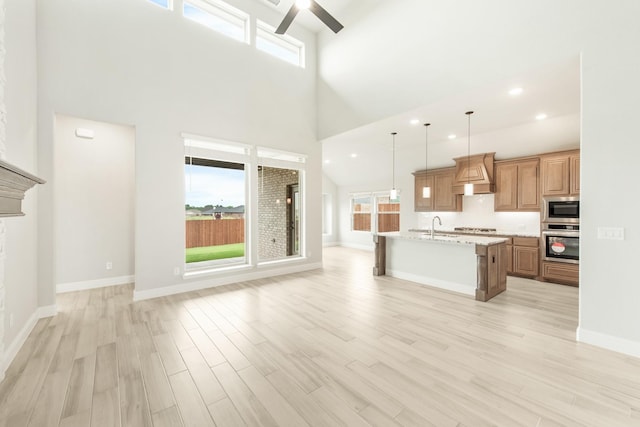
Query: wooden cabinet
{"type": "Point", "coordinates": [522, 256]}
{"type": "Point", "coordinates": [526, 253]}
{"type": "Point", "coordinates": [560, 272]}
{"type": "Point", "coordinates": [561, 173]}
{"type": "Point", "coordinates": [517, 186]}
{"type": "Point", "coordinates": [442, 197]}
{"type": "Point", "coordinates": [492, 270]}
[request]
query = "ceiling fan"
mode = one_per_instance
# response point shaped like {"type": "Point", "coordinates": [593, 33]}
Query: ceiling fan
{"type": "Point", "coordinates": [317, 10]}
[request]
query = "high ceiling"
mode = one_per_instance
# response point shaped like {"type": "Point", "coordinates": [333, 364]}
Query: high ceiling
{"type": "Point", "coordinates": [337, 8]}
{"type": "Point", "coordinates": [501, 123]}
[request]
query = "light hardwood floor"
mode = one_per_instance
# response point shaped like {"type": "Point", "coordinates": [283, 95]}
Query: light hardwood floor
{"type": "Point", "coordinates": [323, 348]}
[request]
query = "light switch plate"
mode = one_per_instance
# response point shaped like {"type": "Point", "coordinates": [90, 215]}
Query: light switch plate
{"type": "Point", "coordinates": [610, 233]}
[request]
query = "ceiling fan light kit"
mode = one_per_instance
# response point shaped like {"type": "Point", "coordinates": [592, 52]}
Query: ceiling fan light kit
{"type": "Point", "coordinates": [316, 9]}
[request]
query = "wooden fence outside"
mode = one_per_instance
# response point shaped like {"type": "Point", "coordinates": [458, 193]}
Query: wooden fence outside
{"type": "Point", "coordinates": [214, 232]}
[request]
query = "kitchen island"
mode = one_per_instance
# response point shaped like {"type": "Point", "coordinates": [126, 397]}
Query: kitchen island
{"type": "Point", "coordinates": [471, 265]}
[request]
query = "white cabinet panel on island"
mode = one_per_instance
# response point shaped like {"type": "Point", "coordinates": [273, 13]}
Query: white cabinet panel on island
{"type": "Point", "coordinates": [471, 265]}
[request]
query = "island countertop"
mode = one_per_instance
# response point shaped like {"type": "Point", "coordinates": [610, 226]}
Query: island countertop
{"type": "Point", "coordinates": [460, 239]}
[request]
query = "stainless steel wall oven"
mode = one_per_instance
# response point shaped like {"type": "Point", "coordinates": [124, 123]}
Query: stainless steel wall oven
{"type": "Point", "coordinates": [561, 242]}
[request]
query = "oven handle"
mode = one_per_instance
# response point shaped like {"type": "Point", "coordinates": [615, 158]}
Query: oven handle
{"type": "Point", "coordinates": [561, 233]}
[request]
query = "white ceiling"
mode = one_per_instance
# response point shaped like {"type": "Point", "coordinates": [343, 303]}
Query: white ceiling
{"type": "Point", "coordinates": [501, 123]}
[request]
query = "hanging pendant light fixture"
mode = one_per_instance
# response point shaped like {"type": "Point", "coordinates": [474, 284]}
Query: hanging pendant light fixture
{"type": "Point", "coordinates": [393, 194]}
{"type": "Point", "coordinates": [426, 190]}
{"type": "Point", "coordinates": [468, 187]}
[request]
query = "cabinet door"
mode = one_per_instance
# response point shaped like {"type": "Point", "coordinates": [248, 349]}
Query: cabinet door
{"type": "Point", "coordinates": [445, 200]}
{"type": "Point", "coordinates": [509, 259]}
{"type": "Point", "coordinates": [528, 187]}
{"type": "Point", "coordinates": [506, 197]}
{"type": "Point", "coordinates": [555, 176]}
{"type": "Point", "coordinates": [575, 174]}
{"type": "Point", "coordinates": [525, 260]}
{"type": "Point", "coordinates": [421, 204]}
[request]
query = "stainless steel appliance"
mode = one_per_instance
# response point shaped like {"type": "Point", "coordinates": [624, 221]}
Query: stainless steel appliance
{"type": "Point", "coordinates": [561, 242]}
{"type": "Point", "coordinates": [561, 210]}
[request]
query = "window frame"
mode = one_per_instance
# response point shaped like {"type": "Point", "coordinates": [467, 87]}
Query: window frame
{"type": "Point", "coordinates": [225, 12]}
{"type": "Point", "coordinates": [267, 33]}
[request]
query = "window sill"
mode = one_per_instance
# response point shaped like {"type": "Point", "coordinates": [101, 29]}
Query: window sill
{"type": "Point", "coordinates": [208, 271]}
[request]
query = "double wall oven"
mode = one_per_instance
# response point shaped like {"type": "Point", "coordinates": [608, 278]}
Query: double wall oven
{"type": "Point", "coordinates": [561, 229]}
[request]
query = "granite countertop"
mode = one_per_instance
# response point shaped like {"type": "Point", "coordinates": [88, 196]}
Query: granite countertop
{"type": "Point", "coordinates": [460, 239]}
{"type": "Point", "coordinates": [497, 233]}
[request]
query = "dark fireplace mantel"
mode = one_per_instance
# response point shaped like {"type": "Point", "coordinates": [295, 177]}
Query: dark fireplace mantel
{"type": "Point", "coordinates": [14, 182]}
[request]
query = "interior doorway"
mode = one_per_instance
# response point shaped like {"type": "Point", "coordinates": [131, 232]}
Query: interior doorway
{"type": "Point", "coordinates": [293, 219]}
{"type": "Point", "coordinates": [94, 190]}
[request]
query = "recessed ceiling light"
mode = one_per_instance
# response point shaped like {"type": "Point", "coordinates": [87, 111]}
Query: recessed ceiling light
{"type": "Point", "coordinates": [303, 4]}
{"type": "Point", "coordinates": [327, 161]}
{"type": "Point", "coordinates": [515, 91]}
{"type": "Point", "coordinates": [541, 116]}
{"type": "Point", "coordinates": [414, 121]}
{"type": "Point", "coordinates": [452, 136]}
{"type": "Point", "coordinates": [354, 155]}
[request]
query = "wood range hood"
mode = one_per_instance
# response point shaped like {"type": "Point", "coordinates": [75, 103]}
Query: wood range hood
{"type": "Point", "coordinates": [477, 170]}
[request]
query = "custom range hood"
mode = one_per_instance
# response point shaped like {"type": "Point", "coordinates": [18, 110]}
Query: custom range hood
{"type": "Point", "coordinates": [477, 170]}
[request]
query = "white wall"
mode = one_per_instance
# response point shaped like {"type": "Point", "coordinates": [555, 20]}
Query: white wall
{"type": "Point", "coordinates": [330, 211]}
{"type": "Point", "coordinates": [469, 44]}
{"type": "Point", "coordinates": [21, 275]}
{"type": "Point", "coordinates": [94, 195]}
{"type": "Point", "coordinates": [166, 75]}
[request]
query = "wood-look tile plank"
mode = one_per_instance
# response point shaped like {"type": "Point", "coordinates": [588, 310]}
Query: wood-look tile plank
{"type": "Point", "coordinates": [276, 405]}
{"type": "Point", "coordinates": [228, 350]}
{"type": "Point", "coordinates": [80, 390]}
{"type": "Point", "coordinates": [248, 405]}
{"type": "Point", "coordinates": [134, 409]}
{"type": "Point", "coordinates": [105, 410]}
{"type": "Point", "coordinates": [158, 390]}
{"type": "Point", "coordinates": [169, 353]}
{"type": "Point", "coordinates": [208, 386]}
{"type": "Point", "coordinates": [192, 409]}
{"type": "Point", "coordinates": [225, 414]}
{"type": "Point", "coordinates": [169, 417]}
{"type": "Point", "coordinates": [207, 348]}
{"type": "Point", "coordinates": [83, 419]}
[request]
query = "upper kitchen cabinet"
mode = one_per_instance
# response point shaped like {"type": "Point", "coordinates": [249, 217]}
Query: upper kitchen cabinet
{"type": "Point", "coordinates": [561, 173]}
{"type": "Point", "coordinates": [517, 185]}
{"type": "Point", "coordinates": [442, 197]}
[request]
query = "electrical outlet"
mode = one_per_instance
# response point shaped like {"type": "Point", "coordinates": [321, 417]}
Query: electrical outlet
{"type": "Point", "coordinates": [176, 271]}
{"type": "Point", "coordinates": [109, 265]}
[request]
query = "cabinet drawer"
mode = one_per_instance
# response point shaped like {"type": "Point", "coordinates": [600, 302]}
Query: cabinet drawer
{"type": "Point", "coordinates": [561, 272]}
{"type": "Point", "coordinates": [526, 241]}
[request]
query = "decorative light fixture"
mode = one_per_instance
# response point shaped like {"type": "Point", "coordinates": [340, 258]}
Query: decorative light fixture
{"type": "Point", "coordinates": [426, 190]}
{"type": "Point", "coordinates": [468, 187]}
{"type": "Point", "coordinates": [393, 194]}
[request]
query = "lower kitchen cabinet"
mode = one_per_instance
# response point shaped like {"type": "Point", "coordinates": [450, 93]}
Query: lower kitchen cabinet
{"type": "Point", "coordinates": [560, 272]}
{"type": "Point", "coordinates": [523, 255]}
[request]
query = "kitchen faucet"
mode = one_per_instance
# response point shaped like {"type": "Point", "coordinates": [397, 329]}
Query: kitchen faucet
{"type": "Point", "coordinates": [433, 224]}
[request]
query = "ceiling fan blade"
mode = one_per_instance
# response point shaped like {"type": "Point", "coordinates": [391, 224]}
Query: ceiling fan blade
{"type": "Point", "coordinates": [325, 17]}
{"type": "Point", "coordinates": [288, 19]}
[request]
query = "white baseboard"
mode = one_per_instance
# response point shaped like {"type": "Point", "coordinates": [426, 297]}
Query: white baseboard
{"type": "Point", "coordinates": [13, 349]}
{"type": "Point", "coordinates": [609, 342]}
{"type": "Point", "coordinates": [93, 284]}
{"type": "Point", "coordinates": [436, 283]}
{"type": "Point", "coordinates": [330, 244]}
{"type": "Point", "coordinates": [369, 248]}
{"type": "Point", "coordinates": [212, 282]}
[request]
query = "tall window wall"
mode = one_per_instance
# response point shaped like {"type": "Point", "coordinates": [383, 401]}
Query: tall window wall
{"type": "Point", "coordinates": [219, 202]}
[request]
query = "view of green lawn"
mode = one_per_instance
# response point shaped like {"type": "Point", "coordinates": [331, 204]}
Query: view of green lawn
{"type": "Point", "coordinates": [209, 253]}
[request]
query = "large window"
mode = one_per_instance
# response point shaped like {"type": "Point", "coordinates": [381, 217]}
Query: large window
{"type": "Point", "coordinates": [375, 212]}
{"type": "Point", "coordinates": [283, 46]}
{"type": "Point", "coordinates": [167, 4]}
{"type": "Point", "coordinates": [215, 200]}
{"type": "Point", "coordinates": [220, 17]}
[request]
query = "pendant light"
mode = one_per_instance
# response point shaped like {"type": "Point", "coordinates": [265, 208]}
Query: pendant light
{"type": "Point", "coordinates": [426, 190]}
{"type": "Point", "coordinates": [393, 194]}
{"type": "Point", "coordinates": [468, 187]}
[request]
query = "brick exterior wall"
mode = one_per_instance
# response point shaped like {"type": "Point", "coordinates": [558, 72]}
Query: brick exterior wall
{"type": "Point", "coordinates": [273, 218]}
